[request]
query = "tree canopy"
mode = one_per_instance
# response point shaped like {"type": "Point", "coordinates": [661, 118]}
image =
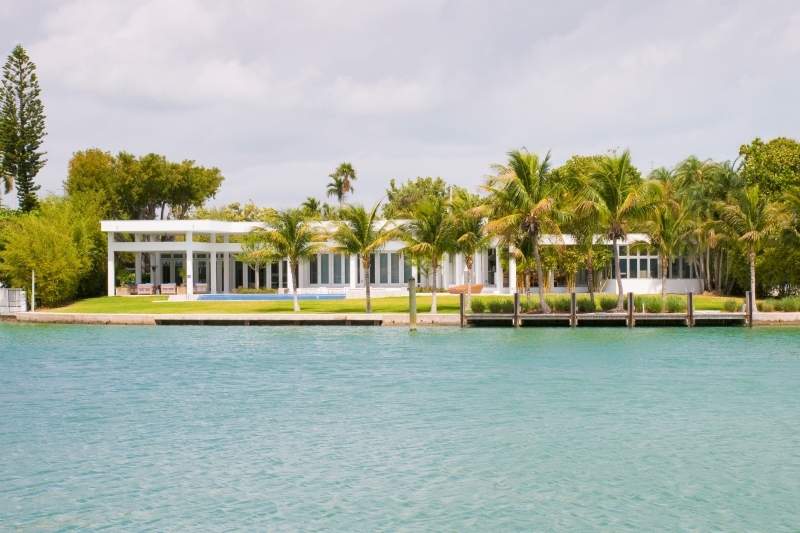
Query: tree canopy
{"type": "Point", "coordinates": [774, 166]}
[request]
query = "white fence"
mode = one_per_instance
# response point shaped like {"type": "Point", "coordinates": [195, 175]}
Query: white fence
{"type": "Point", "coordinates": [12, 301]}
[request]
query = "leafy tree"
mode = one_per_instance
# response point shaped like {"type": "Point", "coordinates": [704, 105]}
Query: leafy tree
{"type": "Point", "coordinates": [429, 235]}
{"type": "Point", "coordinates": [469, 231]}
{"type": "Point", "coordinates": [753, 220]}
{"type": "Point", "coordinates": [62, 242]}
{"type": "Point", "coordinates": [524, 198]}
{"type": "Point", "coordinates": [288, 234]}
{"type": "Point", "coordinates": [402, 200]}
{"type": "Point", "coordinates": [22, 127]}
{"type": "Point", "coordinates": [144, 187]}
{"type": "Point", "coordinates": [615, 190]}
{"type": "Point", "coordinates": [256, 253]}
{"type": "Point", "coordinates": [360, 232]}
{"type": "Point", "coordinates": [233, 212]}
{"type": "Point", "coordinates": [668, 226]}
{"type": "Point", "coordinates": [774, 166]}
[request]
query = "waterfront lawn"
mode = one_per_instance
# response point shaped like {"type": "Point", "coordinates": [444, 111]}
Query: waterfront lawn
{"type": "Point", "coordinates": [160, 305]}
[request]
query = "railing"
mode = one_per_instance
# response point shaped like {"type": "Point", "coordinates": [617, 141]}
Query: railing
{"type": "Point", "coordinates": [12, 301]}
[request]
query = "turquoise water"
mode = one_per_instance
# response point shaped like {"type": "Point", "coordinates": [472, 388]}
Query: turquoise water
{"type": "Point", "coordinates": [366, 429]}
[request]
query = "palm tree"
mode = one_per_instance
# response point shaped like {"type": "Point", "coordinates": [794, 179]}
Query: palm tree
{"type": "Point", "coordinates": [311, 206]}
{"type": "Point", "coordinates": [616, 191]}
{"type": "Point", "coordinates": [342, 180]}
{"type": "Point", "coordinates": [255, 253]}
{"type": "Point", "coordinates": [429, 235]}
{"type": "Point", "coordinates": [469, 227]}
{"type": "Point", "coordinates": [668, 226]}
{"type": "Point", "coordinates": [358, 232]}
{"type": "Point", "coordinates": [524, 198]}
{"type": "Point", "coordinates": [752, 219]}
{"type": "Point", "coordinates": [289, 235]}
{"type": "Point", "coordinates": [336, 188]}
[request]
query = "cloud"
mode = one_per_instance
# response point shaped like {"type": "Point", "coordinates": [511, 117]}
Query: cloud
{"type": "Point", "coordinates": [276, 94]}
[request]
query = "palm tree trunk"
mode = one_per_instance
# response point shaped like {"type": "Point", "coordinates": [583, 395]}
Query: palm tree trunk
{"type": "Point", "coordinates": [258, 281]}
{"type": "Point", "coordinates": [543, 307]}
{"type": "Point", "coordinates": [664, 266]}
{"type": "Point", "coordinates": [365, 267]}
{"type": "Point", "coordinates": [590, 276]}
{"type": "Point", "coordinates": [468, 297]}
{"type": "Point", "coordinates": [295, 302]}
{"type": "Point", "coordinates": [617, 275]}
{"type": "Point", "coordinates": [752, 257]}
{"type": "Point", "coordinates": [434, 269]}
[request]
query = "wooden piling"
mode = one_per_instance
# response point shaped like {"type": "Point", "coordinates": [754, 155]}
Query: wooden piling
{"type": "Point", "coordinates": [631, 309]}
{"type": "Point", "coordinates": [690, 309]}
{"type": "Point", "coordinates": [748, 308]}
{"type": "Point", "coordinates": [573, 310]}
{"type": "Point", "coordinates": [462, 309]}
{"type": "Point", "coordinates": [516, 309]}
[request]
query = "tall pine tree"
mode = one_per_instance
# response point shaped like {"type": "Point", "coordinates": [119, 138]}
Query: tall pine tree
{"type": "Point", "coordinates": [21, 127]}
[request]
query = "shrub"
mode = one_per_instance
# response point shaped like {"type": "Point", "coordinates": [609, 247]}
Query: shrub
{"type": "Point", "coordinates": [559, 304]}
{"type": "Point", "coordinates": [730, 305]}
{"type": "Point", "coordinates": [585, 305]}
{"type": "Point", "coordinates": [790, 305]}
{"type": "Point", "coordinates": [500, 305]}
{"type": "Point", "coordinates": [253, 290]}
{"type": "Point", "coordinates": [675, 304]}
{"type": "Point", "coordinates": [652, 304]}
{"type": "Point", "coordinates": [478, 305]}
{"type": "Point", "coordinates": [608, 303]}
{"type": "Point", "coordinates": [766, 306]}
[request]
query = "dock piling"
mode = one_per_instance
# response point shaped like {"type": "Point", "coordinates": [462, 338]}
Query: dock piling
{"type": "Point", "coordinates": [516, 309]}
{"type": "Point", "coordinates": [748, 308]}
{"type": "Point", "coordinates": [412, 304]}
{"type": "Point", "coordinates": [690, 309]}
{"type": "Point", "coordinates": [631, 310]}
{"type": "Point", "coordinates": [462, 309]}
{"type": "Point", "coordinates": [573, 310]}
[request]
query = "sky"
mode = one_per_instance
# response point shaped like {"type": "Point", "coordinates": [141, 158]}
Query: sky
{"type": "Point", "coordinates": [277, 94]}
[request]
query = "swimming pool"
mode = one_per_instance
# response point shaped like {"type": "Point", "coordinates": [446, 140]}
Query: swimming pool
{"type": "Point", "coordinates": [268, 297]}
{"type": "Point", "coordinates": [365, 429]}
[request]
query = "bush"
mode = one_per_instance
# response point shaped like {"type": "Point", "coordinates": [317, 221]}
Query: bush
{"type": "Point", "coordinates": [652, 304]}
{"type": "Point", "coordinates": [675, 304]}
{"type": "Point", "coordinates": [500, 305]}
{"type": "Point", "coordinates": [559, 304]}
{"type": "Point", "coordinates": [253, 290]}
{"type": "Point", "coordinates": [478, 305]}
{"type": "Point", "coordinates": [585, 305]}
{"type": "Point", "coordinates": [608, 302]}
{"type": "Point", "coordinates": [789, 304]}
{"type": "Point", "coordinates": [767, 306]}
{"type": "Point", "coordinates": [730, 305]}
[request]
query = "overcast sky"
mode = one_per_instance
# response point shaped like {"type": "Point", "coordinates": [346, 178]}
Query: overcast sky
{"type": "Point", "coordinates": [276, 94]}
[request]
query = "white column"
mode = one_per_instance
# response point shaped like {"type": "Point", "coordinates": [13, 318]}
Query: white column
{"type": "Point", "coordinates": [414, 270]}
{"type": "Point", "coordinates": [445, 270]}
{"type": "Point", "coordinates": [112, 282]}
{"type": "Point", "coordinates": [280, 276]}
{"type": "Point", "coordinates": [460, 269]}
{"type": "Point", "coordinates": [289, 275]}
{"type": "Point", "coordinates": [512, 272]}
{"type": "Point", "coordinates": [477, 268]}
{"type": "Point", "coordinates": [226, 272]}
{"type": "Point", "coordinates": [158, 268]}
{"type": "Point", "coordinates": [353, 269]}
{"type": "Point", "coordinates": [189, 266]}
{"type": "Point", "coordinates": [498, 271]}
{"type": "Point", "coordinates": [137, 260]}
{"type": "Point", "coordinates": [212, 257]}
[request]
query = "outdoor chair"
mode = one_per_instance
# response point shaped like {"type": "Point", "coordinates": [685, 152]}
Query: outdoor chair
{"type": "Point", "coordinates": [144, 288]}
{"type": "Point", "coordinates": [169, 288]}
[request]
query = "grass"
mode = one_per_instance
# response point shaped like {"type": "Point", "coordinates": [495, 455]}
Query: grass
{"type": "Point", "coordinates": [160, 305]}
{"type": "Point", "coordinates": [446, 304]}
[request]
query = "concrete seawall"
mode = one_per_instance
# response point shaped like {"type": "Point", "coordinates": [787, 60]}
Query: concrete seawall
{"type": "Point", "coordinates": [276, 319]}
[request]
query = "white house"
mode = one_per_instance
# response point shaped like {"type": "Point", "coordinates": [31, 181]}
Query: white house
{"type": "Point", "coordinates": [200, 256]}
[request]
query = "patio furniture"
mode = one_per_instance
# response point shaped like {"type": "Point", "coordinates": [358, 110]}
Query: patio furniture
{"type": "Point", "coordinates": [462, 289]}
{"type": "Point", "coordinates": [200, 288]}
{"type": "Point", "coordinates": [168, 288]}
{"type": "Point", "coordinates": [144, 288]}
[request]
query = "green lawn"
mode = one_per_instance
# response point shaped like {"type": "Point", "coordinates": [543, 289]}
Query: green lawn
{"type": "Point", "coordinates": [160, 305]}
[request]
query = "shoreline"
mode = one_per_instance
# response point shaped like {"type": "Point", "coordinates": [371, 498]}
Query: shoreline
{"type": "Point", "coordinates": [277, 319]}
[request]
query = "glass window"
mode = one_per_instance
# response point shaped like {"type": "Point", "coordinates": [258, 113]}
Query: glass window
{"type": "Point", "coordinates": [337, 268]}
{"type": "Point", "coordinates": [623, 268]}
{"type": "Point", "coordinates": [643, 268]}
{"type": "Point", "coordinates": [312, 270]}
{"type": "Point", "coordinates": [395, 268]}
{"type": "Point", "coordinates": [653, 268]}
{"type": "Point", "coordinates": [347, 269]}
{"type": "Point", "coordinates": [372, 268]}
{"type": "Point", "coordinates": [274, 275]}
{"type": "Point", "coordinates": [686, 269]}
{"type": "Point", "coordinates": [324, 269]}
{"type": "Point", "coordinates": [634, 273]}
{"type": "Point", "coordinates": [406, 269]}
{"type": "Point", "coordinates": [202, 271]}
{"type": "Point", "coordinates": [384, 259]}
{"type": "Point", "coordinates": [179, 271]}
{"type": "Point", "coordinates": [623, 250]}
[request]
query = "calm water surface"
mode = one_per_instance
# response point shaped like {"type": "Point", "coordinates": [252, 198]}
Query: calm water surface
{"type": "Point", "coordinates": [180, 428]}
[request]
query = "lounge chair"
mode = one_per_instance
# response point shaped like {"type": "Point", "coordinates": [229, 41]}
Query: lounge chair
{"type": "Point", "coordinates": [168, 288]}
{"type": "Point", "coordinates": [459, 289]}
{"type": "Point", "coordinates": [200, 288]}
